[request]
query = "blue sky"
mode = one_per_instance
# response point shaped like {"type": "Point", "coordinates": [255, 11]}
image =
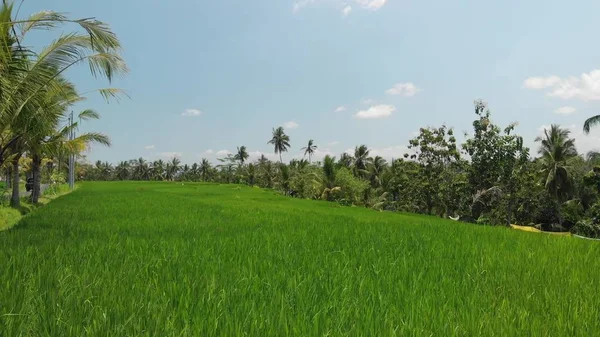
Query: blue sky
{"type": "Point", "coordinates": [207, 76]}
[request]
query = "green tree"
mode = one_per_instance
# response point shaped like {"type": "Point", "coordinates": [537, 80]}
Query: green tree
{"type": "Point", "coordinates": [361, 161]}
{"type": "Point", "coordinates": [280, 142]}
{"type": "Point", "coordinates": [241, 154]}
{"type": "Point", "coordinates": [556, 149]}
{"type": "Point", "coordinates": [309, 150]}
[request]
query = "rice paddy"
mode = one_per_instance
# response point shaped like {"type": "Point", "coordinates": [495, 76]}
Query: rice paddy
{"type": "Point", "coordinates": [172, 259]}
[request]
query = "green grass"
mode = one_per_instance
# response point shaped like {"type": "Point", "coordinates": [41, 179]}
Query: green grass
{"type": "Point", "coordinates": [165, 259]}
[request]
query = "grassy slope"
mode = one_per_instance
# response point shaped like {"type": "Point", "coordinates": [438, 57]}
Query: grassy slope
{"type": "Point", "coordinates": [162, 259]}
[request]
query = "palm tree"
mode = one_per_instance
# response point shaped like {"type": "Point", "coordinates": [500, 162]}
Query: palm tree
{"type": "Point", "coordinates": [590, 122]}
{"type": "Point", "coordinates": [26, 72]}
{"type": "Point", "coordinates": [122, 170]}
{"type": "Point", "coordinates": [361, 160]}
{"type": "Point", "coordinates": [345, 160]}
{"type": "Point", "coordinates": [376, 170]}
{"type": "Point", "coordinates": [173, 168]}
{"type": "Point", "coordinates": [329, 171]}
{"type": "Point", "coordinates": [309, 149]}
{"type": "Point", "coordinates": [241, 154]}
{"type": "Point", "coordinates": [158, 170]}
{"type": "Point", "coordinates": [205, 168]}
{"type": "Point", "coordinates": [556, 149]}
{"type": "Point", "coordinates": [280, 141]}
{"type": "Point", "coordinates": [141, 170]}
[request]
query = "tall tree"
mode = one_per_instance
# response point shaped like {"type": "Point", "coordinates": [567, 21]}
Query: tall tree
{"type": "Point", "coordinates": [309, 150]}
{"type": "Point", "coordinates": [280, 142]}
{"type": "Point", "coordinates": [205, 168]}
{"type": "Point", "coordinates": [556, 149]}
{"type": "Point", "coordinates": [361, 161]}
{"type": "Point", "coordinates": [242, 154]}
{"type": "Point", "coordinates": [26, 72]}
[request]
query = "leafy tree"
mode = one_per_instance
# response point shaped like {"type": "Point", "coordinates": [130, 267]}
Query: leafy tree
{"type": "Point", "coordinates": [496, 158]}
{"type": "Point", "coordinates": [435, 150]}
{"type": "Point", "coordinates": [280, 142]}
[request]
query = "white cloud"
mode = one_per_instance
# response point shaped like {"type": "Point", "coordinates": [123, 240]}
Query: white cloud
{"type": "Point", "coordinates": [366, 4]}
{"type": "Point", "coordinates": [391, 152]}
{"type": "Point", "coordinates": [223, 152]}
{"type": "Point", "coordinates": [208, 152]}
{"type": "Point", "coordinates": [255, 155]}
{"type": "Point", "coordinates": [565, 110]}
{"type": "Point", "coordinates": [346, 10]}
{"type": "Point", "coordinates": [377, 111]}
{"type": "Point", "coordinates": [149, 147]}
{"type": "Point", "coordinates": [367, 101]}
{"type": "Point", "coordinates": [320, 154]}
{"type": "Point", "coordinates": [170, 154]}
{"type": "Point", "coordinates": [404, 89]}
{"type": "Point", "coordinates": [334, 143]}
{"type": "Point", "coordinates": [191, 113]}
{"type": "Point", "coordinates": [371, 4]}
{"type": "Point", "coordinates": [299, 4]}
{"type": "Point", "coordinates": [541, 82]}
{"type": "Point", "coordinates": [290, 125]}
{"type": "Point", "coordinates": [542, 128]}
{"type": "Point", "coordinates": [340, 108]}
{"type": "Point", "coordinates": [586, 87]}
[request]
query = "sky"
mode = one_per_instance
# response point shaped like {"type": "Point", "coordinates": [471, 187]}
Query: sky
{"type": "Point", "coordinates": [208, 76]}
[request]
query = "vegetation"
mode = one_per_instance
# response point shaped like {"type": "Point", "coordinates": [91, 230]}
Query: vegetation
{"type": "Point", "coordinates": [35, 96]}
{"type": "Point", "coordinates": [489, 179]}
{"type": "Point", "coordinates": [231, 260]}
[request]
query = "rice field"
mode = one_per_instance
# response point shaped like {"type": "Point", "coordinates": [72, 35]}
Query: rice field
{"type": "Point", "coordinates": [166, 259]}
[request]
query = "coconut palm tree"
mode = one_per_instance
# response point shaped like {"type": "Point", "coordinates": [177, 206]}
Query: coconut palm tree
{"type": "Point", "coordinates": [376, 170]}
{"type": "Point", "coordinates": [158, 170]}
{"type": "Point", "coordinates": [345, 160]}
{"type": "Point", "coordinates": [26, 72]}
{"type": "Point", "coordinates": [309, 149]}
{"type": "Point", "coordinates": [172, 168]}
{"type": "Point", "coordinates": [556, 149]}
{"type": "Point", "coordinates": [205, 168]}
{"type": "Point", "coordinates": [590, 122]}
{"type": "Point", "coordinates": [141, 170]}
{"type": "Point", "coordinates": [122, 170]}
{"type": "Point", "coordinates": [241, 154]}
{"type": "Point", "coordinates": [280, 142]}
{"type": "Point", "coordinates": [329, 171]}
{"type": "Point", "coordinates": [361, 160]}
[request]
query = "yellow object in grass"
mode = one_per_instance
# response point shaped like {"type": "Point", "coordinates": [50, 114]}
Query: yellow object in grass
{"type": "Point", "coordinates": [535, 230]}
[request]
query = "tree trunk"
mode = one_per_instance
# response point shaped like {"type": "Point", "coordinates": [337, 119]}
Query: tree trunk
{"type": "Point", "coordinates": [36, 169]}
{"type": "Point", "coordinates": [280, 160]}
{"type": "Point", "coordinates": [8, 177]}
{"type": "Point", "coordinates": [15, 200]}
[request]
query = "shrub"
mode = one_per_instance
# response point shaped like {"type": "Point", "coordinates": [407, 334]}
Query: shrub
{"type": "Point", "coordinates": [587, 228]}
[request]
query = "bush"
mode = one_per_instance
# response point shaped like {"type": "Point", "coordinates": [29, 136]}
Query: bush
{"type": "Point", "coordinates": [587, 228]}
{"type": "Point", "coordinates": [351, 190]}
{"type": "Point", "coordinates": [571, 212]}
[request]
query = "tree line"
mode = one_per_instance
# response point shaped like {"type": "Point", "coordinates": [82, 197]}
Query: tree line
{"type": "Point", "coordinates": [491, 178]}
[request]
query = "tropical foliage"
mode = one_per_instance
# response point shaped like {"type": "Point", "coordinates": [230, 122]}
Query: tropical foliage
{"type": "Point", "coordinates": [36, 97]}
